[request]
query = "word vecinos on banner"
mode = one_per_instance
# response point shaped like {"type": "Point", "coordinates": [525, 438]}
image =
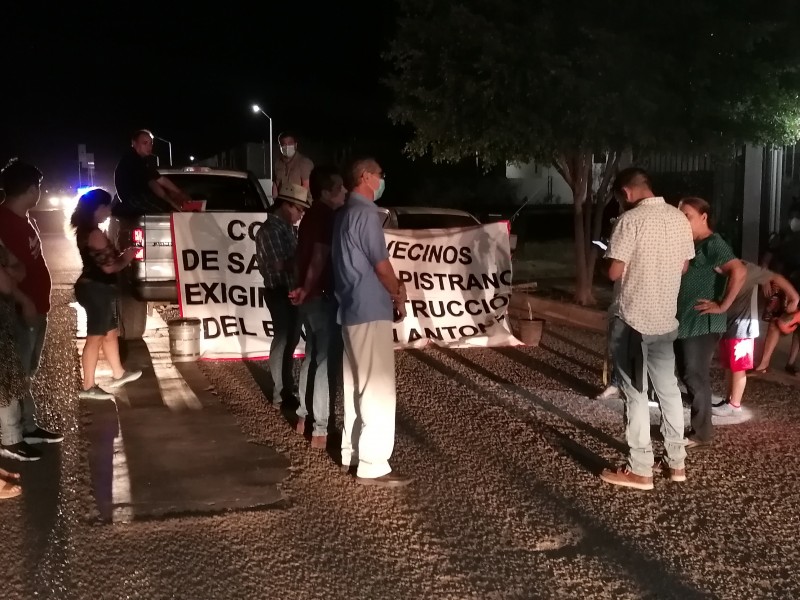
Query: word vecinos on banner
{"type": "Point", "coordinates": [458, 283]}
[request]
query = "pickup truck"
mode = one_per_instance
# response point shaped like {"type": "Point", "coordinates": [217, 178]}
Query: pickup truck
{"type": "Point", "coordinates": [150, 279]}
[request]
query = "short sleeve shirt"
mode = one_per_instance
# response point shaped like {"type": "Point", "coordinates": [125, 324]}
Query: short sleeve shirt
{"type": "Point", "coordinates": [295, 170]}
{"type": "Point", "coordinates": [703, 282]}
{"type": "Point", "coordinates": [21, 238]}
{"type": "Point", "coordinates": [654, 240]}
{"type": "Point", "coordinates": [358, 246]}
{"type": "Point", "coordinates": [132, 176]}
{"type": "Point", "coordinates": [743, 313]}
{"type": "Point", "coordinates": [315, 228]}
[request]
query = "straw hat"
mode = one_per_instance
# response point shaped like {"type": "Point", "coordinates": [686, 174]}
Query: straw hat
{"type": "Point", "coordinates": [296, 194]}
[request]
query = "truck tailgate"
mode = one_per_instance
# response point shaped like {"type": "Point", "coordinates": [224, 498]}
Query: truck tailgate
{"type": "Point", "coordinates": [158, 263]}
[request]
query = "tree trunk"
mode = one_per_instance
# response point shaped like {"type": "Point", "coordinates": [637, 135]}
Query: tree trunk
{"type": "Point", "coordinates": [580, 192]}
{"type": "Point", "coordinates": [575, 168]}
{"type": "Point", "coordinates": [601, 199]}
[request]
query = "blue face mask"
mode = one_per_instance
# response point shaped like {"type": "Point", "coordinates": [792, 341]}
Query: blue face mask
{"type": "Point", "coordinates": [381, 189]}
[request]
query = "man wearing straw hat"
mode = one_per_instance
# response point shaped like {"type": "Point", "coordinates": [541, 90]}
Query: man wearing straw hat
{"type": "Point", "coordinates": [276, 245]}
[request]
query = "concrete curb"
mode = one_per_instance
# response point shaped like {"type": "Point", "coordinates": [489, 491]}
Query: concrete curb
{"type": "Point", "coordinates": [522, 305]}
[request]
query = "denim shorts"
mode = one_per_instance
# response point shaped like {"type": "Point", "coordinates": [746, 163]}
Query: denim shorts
{"type": "Point", "coordinates": [99, 300]}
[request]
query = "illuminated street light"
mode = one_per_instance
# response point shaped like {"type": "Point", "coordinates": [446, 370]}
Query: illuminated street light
{"type": "Point", "coordinates": [191, 159]}
{"type": "Point", "coordinates": [257, 109]}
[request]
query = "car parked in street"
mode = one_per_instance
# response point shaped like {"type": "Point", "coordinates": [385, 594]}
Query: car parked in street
{"type": "Point", "coordinates": [425, 217]}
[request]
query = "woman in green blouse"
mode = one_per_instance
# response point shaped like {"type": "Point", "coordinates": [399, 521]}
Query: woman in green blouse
{"type": "Point", "coordinates": [708, 288]}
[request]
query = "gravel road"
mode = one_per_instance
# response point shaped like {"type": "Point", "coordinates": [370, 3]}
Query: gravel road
{"type": "Point", "coordinates": [504, 444]}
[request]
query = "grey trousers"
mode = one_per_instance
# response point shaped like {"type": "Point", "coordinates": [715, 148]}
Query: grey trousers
{"type": "Point", "coordinates": [641, 360]}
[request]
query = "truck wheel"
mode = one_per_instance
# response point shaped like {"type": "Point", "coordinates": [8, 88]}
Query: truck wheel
{"type": "Point", "coordinates": [132, 317]}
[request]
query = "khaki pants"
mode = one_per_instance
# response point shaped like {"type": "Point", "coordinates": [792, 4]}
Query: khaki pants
{"type": "Point", "coordinates": [369, 397]}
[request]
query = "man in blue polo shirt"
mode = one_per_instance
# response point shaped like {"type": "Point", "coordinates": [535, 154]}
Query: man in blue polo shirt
{"type": "Point", "coordinates": [370, 297]}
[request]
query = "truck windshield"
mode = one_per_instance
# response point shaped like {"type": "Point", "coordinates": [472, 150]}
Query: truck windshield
{"type": "Point", "coordinates": [220, 193]}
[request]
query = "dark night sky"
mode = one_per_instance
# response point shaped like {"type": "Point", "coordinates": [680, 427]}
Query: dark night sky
{"type": "Point", "coordinates": [77, 74]}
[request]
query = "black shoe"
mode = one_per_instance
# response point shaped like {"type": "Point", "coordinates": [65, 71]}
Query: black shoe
{"type": "Point", "coordinates": [22, 451]}
{"type": "Point", "coordinates": [42, 436]}
{"type": "Point", "coordinates": [391, 480]}
{"type": "Point", "coordinates": [692, 443]}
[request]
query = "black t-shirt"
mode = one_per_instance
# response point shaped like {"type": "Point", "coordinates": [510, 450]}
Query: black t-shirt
{"type": "Point", "coordinates": [132, 177]}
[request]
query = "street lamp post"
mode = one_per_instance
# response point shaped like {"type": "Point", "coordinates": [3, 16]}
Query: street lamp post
{"type": "Point", "coordinates": [257, 109]}
{"type": "Point", "coordinates": [169, 144]}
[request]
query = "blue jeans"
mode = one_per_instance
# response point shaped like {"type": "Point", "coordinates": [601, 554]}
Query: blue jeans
{"type": "Point", "coordinates": [695, 355]}
{"type": "Point", "coordinates": [285, 337]}
{"type": "Point", "coordinates": [20, 414]}
{"type": "Point", "coordinates": [321, 368]}
{"type": "Point", "coordinates": [653, 356]}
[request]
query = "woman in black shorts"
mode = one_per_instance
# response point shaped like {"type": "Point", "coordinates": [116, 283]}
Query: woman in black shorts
{"type": "Point", "coordinates": [96, 292]}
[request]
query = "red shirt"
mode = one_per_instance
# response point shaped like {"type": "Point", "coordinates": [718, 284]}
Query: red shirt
{"type": "Point", "coordinates": [315, 228]}
{"type": "Point", "coordinates": [22, 239]}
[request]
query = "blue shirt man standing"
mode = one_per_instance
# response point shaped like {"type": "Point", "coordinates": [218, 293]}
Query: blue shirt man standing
{"type": "Point", "coordinates": [369, 294]}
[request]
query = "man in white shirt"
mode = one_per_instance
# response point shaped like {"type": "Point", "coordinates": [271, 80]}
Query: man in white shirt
{"type": "Point", "coordinates": [649, 252]}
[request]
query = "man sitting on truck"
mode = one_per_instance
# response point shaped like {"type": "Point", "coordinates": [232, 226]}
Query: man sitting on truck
{"type": "Point", "coordinates": [140, 187]}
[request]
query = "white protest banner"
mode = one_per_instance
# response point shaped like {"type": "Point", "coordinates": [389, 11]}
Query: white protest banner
{"type": "Point", "coordinates": [219, 282]}
{"type": "Point", "coordinates": [458, 283]}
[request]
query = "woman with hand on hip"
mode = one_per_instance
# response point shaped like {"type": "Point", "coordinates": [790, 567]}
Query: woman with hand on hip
{"type": "Point", "coordinates": [96, 291]}
{"type": "Point", "coordinates": [708, 288]}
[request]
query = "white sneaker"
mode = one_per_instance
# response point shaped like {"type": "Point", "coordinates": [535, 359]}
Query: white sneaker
{"type": "Point", "coordinates": [610, 393]}
{"type": "Point", "coordinates": [95, 393]}
{"type": "Point", "coordinates": [726, 410]}
{"type": "Point", "coordinates": [127, 377]}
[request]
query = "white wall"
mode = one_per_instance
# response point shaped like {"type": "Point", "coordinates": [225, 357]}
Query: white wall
{"type": "Point", "coordinates": [536, 183]}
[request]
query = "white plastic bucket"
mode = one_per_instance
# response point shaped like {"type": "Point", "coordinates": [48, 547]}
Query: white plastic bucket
{"type": "Point", "coordinates": [184, 339]}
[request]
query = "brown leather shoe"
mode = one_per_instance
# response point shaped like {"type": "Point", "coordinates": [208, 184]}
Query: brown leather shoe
{"type": "Point", "coordinates": [320, 442]}
{"type": "Point", "coordinates": [622, 476]}
{"type": "Point", "coordinates": [676, 475]}
{"type": "Point", "coordinates": [390, 480]}
{"type": "Point", "coordinates": [301, 426]}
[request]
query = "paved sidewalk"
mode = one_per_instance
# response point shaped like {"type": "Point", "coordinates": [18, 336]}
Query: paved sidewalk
{"type": "Point", "coordinates": [165, 448]}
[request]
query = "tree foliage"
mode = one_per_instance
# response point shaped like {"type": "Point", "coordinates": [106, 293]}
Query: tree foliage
{"type": "Point", "coordinates": [562, 81]}
{"type": "Point", "coordinates": [515, 81]}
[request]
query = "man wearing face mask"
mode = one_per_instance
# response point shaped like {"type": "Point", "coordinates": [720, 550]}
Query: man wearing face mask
{"type": "Point", "coordinates": [290, 166]}
{"type": "Point", "coordinates": [276, 245]}
{"type": "Point", "coordinates": [370, 297]}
